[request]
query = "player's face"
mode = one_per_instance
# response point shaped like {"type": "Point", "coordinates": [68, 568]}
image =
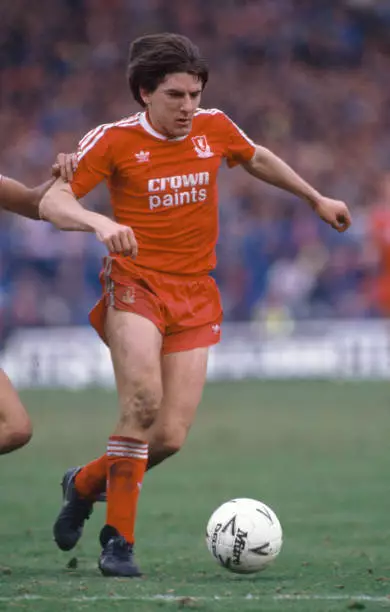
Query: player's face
{"type": "Point", "coordinates": [172, 105]}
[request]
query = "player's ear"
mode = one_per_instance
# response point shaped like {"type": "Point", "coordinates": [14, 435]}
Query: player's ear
{"type": "Point", "coordinates": [145, 96]}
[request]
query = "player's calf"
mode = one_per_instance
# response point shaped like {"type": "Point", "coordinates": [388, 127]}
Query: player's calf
{"type": "Point", "coordinates": [164, 444]}
{"type": "Point", "coordinates": [159, 449]}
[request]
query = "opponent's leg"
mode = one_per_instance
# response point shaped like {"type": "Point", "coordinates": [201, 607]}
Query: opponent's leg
{"type": "Point", "coordinates": [15, 425]}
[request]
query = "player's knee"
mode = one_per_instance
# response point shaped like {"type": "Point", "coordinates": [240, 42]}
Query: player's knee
{"type": "Point", "coordinates": [21, 437]}
{"type": "Point", "coordinates": [15, 436]}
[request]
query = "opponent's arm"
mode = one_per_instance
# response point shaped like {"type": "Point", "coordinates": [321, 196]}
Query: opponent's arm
{"type": "Point", "coordinates": [60, 207]}
{"type": "Point", "coordinates": [270, 168]}
{"type": "Point", "coordinates": [17, 198]}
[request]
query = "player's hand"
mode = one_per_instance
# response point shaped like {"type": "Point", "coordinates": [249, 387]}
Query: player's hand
{"type": "Point", "coordinates": [117, 238]}
{"type": "Point", "coordinates": [65, 166]}
{"type": "Point", "coordinates": [334, 212]}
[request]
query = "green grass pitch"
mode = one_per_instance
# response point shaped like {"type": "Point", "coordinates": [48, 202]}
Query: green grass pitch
{"type": "Point", "coordinates": [317, 452]}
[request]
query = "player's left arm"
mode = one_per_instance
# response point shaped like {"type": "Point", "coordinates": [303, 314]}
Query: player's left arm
{"type": "Point", "coordinates": [17, 198]}
{"type": "Point", "coordinates": [268, 167]}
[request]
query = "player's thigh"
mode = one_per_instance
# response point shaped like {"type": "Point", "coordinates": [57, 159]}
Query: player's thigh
{"type": "Point", "coordinates": [13, 415]}
{"type": "Point", "coordinates": [184, 376]}
{"type": "Point", "coordinates": [135, 346]}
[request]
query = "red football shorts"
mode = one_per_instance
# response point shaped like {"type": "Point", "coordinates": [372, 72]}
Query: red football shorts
{"type": "Point", "coordinates": [186, 309]}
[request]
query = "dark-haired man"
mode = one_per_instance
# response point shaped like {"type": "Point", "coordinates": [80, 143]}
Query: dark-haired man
{"type": "Point", "coordinates": [160, 313]}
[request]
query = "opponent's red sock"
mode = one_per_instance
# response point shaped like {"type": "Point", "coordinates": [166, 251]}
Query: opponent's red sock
{"type": "Point", "coordinates": [126, 461]}
{"type": "Point", "coordinates": [91, 479]}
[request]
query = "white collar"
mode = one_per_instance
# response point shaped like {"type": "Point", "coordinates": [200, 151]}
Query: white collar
{"type": "Point", "coordinates": [150, 129]}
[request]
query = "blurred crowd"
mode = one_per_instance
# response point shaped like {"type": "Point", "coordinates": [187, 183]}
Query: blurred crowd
{"type": "Point", "coordinates": [307, 78]}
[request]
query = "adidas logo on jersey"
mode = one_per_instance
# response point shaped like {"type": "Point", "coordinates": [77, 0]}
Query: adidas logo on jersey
{"type": "Point", "coordinates": [142, 156]}
{"type": "Point", "coordinates": [202, 147]}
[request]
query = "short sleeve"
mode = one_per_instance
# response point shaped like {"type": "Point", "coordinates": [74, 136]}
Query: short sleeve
{"type": "Point", "coordinates": [94, 161]}
{"type": "Point", "coordinates": [239, 147]}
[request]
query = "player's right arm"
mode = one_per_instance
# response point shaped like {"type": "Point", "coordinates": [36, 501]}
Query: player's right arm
{"type": "Point", "coordinates": [17, 198]}
{"type": "Point", "coordinates": [61, 207]}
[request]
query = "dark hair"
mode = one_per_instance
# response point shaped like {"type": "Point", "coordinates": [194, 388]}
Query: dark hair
{"type": "Point", "coordinates": [154, 56]}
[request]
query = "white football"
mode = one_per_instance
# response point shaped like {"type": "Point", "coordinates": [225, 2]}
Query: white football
{"type": "Point", "coordinates": [244, 535]}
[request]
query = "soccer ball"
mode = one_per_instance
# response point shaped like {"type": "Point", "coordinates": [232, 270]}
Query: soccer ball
{"type": "Point", "coordinates": [244, 535]}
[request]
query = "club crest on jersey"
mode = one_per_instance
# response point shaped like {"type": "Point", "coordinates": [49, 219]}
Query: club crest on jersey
{"type": "Point", "coordinates": [202, 147]}
{"type": "Point", "coordinates": [142, 156]}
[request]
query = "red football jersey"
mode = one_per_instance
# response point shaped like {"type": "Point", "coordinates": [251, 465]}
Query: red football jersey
{"type": "Point", "coordinates": [164, 188]}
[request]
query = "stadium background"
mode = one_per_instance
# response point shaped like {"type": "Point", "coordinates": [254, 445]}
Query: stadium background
{"type": "Point", "coordinates": [307, 79]}
{"type": "Point", "coordinates": [310, 80]}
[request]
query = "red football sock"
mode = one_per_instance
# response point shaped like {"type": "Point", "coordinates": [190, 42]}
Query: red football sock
{"type": "Point", "coordinates": [91, 479]}
{"type": "Point", "coordinates": [126, 460]}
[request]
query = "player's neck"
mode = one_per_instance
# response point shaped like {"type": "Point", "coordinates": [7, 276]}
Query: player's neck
{"type": "Point", "coordinates": [154, 124]}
